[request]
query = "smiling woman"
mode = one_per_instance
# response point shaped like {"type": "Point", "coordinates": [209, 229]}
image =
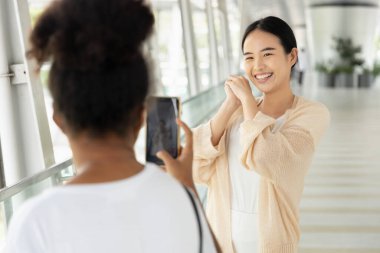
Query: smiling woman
{"type": "Point", "coordinates": [253, 148]}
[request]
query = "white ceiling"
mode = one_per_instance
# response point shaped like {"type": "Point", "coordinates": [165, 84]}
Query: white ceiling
{"type": "Point", "coordinates": [293, 11]}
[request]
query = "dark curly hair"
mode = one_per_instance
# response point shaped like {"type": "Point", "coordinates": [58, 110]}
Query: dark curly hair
{"type": "Point", "coordinates": [99, 77]}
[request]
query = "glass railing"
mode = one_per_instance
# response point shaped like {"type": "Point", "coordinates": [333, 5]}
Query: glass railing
{"type": "Point", "coordinates": [200, 108]}
{"type": "Point", "coordinates": [194, 111]}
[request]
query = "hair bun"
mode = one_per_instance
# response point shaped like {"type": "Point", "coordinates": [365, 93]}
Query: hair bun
{"type": "Point", "coordinates": [90, 34]}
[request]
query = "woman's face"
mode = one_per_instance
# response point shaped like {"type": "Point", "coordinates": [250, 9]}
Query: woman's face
{"type": "Point", "coordinates": [266, 63]}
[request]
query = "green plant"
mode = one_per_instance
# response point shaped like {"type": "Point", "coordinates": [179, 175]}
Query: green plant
{"type": "Point", "coordinates": [376, 69]}
{"type": "Point", "coordinates": [322, 67]}
{"type": "Point", "coordinates": [348, 55]}
{"type": "Point", "coordinates": [347, 59]}
{"type": "Point", "coordinates": [326, 67]}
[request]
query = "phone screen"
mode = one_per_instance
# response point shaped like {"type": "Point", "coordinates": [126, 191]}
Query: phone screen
{"type": "Point", "coordinates": [162, 129]}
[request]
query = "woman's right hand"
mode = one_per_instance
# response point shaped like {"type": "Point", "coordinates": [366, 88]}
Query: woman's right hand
{"type": "Point", "coordinates": [181, 168]}
{"type": "Point", "coordinates": [231, 98]}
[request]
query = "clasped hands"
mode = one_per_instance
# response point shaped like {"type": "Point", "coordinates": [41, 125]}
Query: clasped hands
{"type": "Point", "coordinates": [238, 93]}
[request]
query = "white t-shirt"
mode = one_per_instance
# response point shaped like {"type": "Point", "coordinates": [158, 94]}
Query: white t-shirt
{"type": "Point", "coordinates": [149, 212]}
{"type": "Point", "coordinates": [244, 194]}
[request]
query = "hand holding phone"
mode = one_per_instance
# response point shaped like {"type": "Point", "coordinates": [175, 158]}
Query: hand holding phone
{"type": "Point", "coordinates": [181, 168]}
{"type": "Point", "coordinates": [162, 129]}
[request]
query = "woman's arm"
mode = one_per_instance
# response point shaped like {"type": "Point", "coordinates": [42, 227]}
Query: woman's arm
{"type": "Point", "coordinates": [209, 139]}
{"type": "Point", "coordinates": [221, 118]}
{"type": "Point", "coordinates": [291, 147]}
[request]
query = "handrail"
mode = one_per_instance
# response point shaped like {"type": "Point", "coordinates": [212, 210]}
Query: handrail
{"type": "Point", "coordinates": [10, 191]}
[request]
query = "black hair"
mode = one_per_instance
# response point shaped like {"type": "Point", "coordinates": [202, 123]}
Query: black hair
{"type": "Point", "coordinates": [99, 77]}
{"type": "Point", "coordinates": [275, 26]}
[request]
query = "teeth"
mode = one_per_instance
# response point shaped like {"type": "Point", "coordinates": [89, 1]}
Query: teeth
{"type": "Point", "coordinates": [263, 76]}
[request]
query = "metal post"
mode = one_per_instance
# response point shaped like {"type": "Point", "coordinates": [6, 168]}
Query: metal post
{"type": "Point", "coordinates": [35, 85]}
{"type": "Point", "coordinates": [24, 129]}
{"type": "Point", "coordinates": [12, 159]}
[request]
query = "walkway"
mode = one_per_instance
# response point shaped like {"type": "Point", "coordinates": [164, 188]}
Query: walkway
{"type": "Point", "coordinates": [340, 209]}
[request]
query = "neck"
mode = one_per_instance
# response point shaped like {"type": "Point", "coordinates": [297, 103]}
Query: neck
{"type": "Point", "coordinates": [103, 159]}
{"type": "Point", "coordinates": [275, 104]}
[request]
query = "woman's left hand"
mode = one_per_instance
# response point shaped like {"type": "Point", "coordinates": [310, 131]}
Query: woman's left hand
{"type": "Point", "coordinates": [239, 85]}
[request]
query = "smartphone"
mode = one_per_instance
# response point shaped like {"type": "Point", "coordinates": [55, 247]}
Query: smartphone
{"type": "Point", "coordinates": [162, 131]}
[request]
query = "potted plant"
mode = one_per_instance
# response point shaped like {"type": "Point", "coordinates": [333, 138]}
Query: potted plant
{"type": "Point", "coordinates": [327, 73]}
{"type": "Point", "coordinates": [368, 75]}
{"type": "Point", "coordinates": [347, 62]}
{"type": "Point", "coordinates": [340, 70]}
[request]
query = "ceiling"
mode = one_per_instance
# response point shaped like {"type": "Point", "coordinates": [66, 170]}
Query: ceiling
{"type": "Point", "coordinates": [292, 11]}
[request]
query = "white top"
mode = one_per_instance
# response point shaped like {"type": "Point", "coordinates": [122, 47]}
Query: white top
{"type": "Point", "coordinates": [149, 212]}
{"type": "Point", "coordinates": [244, 194]}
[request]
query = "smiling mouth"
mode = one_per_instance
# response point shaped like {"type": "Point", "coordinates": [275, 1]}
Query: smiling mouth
{"type": "Point", "coordinates": [263, 77]}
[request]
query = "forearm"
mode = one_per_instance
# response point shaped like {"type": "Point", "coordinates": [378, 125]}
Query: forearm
{"type": "Point", "coordinates": [249, 108]}
{"type": "Point", "coordinates": [219, 121]}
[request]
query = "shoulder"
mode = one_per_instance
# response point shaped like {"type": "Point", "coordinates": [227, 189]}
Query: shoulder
{"type": "Point", "coordinates": [159, 177]}
{"type": "Point", "coordinates": [308, 109]}
{"type": "Point", "coordinates": [164, 187]}
{"type": "Point", "coordinates": [311, 105]}
{"type": "Point", "coordinates": [167, 204]}
{"type": "Point", "coordinates": [35, 207]}
{"type": "Point", "coordinates": [26, 224]}
{"type": "Point", "coordinates": [312, 116]}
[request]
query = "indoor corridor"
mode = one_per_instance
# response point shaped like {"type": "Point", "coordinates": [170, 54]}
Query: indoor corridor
{"type": "Point", "coordinates": [194, 47]}
{"type": "Point", "coordinates": [340, 208]}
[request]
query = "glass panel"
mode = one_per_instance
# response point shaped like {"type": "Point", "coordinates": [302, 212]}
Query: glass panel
{"type": "Point", "coordinates": [36, 7]}
{"type": "Point", "coordinates": [234, 29]}
{"type": "Point", "coordinates": [170, 54]}
{"type": "Point", "coordinates": [198, 109]}
{"type": "Point", "coordinates": [201, 33]}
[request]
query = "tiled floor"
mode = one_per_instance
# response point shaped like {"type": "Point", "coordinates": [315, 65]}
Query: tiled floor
{"type": "Point", "coordinates": [340, 209]}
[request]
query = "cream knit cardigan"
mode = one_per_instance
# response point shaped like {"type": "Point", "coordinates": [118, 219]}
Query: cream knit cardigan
{"type": "Point", "coordinates": [281, 159]}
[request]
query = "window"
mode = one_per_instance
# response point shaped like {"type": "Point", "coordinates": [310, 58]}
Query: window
{"type": "Point", "coordinates": [202, 45]}
{"type": "Point", "coordinates": [168, 50]}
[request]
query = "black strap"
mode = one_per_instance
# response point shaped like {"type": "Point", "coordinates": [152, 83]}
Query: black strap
{"type": "Point", "coordinates": [198, 220]}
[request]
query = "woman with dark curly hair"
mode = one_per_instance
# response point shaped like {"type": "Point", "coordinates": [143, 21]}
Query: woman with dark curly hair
{"type": "Point", "coordinates": [99, 81]}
